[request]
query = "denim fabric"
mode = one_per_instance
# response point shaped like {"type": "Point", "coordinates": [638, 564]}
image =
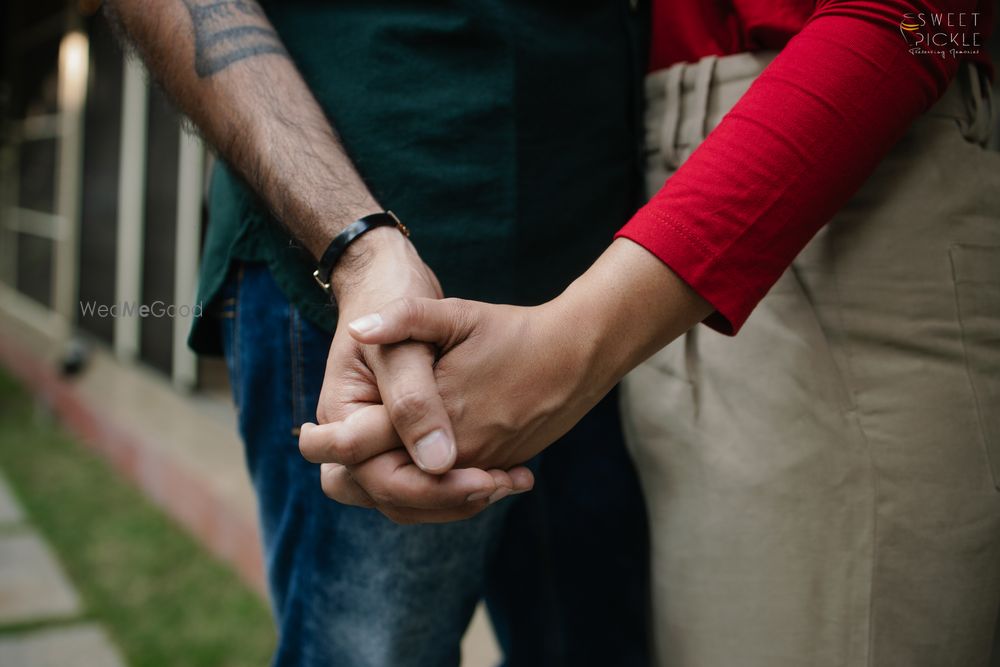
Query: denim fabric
{"type": "Point", "coordinates": [566, 565]}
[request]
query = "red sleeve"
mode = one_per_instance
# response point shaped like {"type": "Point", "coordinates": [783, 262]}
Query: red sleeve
{"type": "Point", "coordinates": [792, 152]}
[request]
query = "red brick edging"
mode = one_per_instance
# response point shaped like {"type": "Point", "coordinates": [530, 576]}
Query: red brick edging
{"type": "Point", "coordinates": [180, 492]}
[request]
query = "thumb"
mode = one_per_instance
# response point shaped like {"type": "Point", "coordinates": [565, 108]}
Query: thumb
{"type": "Point", "coordinates": [438, 321]}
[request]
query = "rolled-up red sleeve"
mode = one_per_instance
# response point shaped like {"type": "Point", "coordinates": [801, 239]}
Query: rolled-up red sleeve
{"type": "Point", "coordinates": [792, 152]}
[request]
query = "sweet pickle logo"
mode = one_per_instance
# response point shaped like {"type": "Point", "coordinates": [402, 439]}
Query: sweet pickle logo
{"type": "Point", "coordinates": [951, 34]}
{"type": "Point", "coordinates": [908, 26]}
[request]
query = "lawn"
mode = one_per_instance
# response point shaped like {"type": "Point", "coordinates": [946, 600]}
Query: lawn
{"type": "Point", "coordinates": [164, 599]}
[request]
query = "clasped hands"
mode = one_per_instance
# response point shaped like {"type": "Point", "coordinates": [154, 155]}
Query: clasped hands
{"type": "Point", "coordinates": [430, 406]}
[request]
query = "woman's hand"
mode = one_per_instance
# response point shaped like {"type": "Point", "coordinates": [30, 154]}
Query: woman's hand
{"type": "Point", "coordinates": [509, 382]}
{"type": "Point", "coordinates": [513, 379]}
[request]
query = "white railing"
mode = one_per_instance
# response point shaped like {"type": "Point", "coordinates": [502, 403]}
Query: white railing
{"type": "Point", "coordinates": [62, 226]}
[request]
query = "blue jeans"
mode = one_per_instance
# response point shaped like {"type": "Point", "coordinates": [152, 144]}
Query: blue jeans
{"type": "Point", "coordinates": [563, 568]}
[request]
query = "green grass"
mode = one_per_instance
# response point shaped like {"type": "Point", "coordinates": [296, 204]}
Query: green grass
{"type": "Point", "coordinates": [165, 600]}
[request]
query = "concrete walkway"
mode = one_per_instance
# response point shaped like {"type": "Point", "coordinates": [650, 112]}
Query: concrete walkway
{"type": "Point", "coordinates": [39, 608]}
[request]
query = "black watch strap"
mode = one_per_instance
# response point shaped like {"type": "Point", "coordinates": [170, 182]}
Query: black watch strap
{"type": "Point", "coordinates": [340, 242]}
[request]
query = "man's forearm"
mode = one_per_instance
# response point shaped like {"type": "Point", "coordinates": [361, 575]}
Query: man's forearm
{"type": "Point", "coordinates": [224, 65]}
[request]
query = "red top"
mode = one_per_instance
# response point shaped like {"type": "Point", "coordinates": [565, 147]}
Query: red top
{"type": "Point", "coordinates": [803, 139]}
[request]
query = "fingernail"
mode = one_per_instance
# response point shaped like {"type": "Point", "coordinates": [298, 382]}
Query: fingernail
{"type": "Point", "coordinates": [477, 496]}
{"type": "Point", "coordinates": [499, 494]}
{"type": "Point", "coordinates": [518, 491]}
{"type": "Point", "coordinates": [367, 323]}
{"type": "Point", "coordinates": [433, 451]}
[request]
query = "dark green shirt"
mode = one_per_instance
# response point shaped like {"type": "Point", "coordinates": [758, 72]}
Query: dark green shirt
{"type": "Point", "coordinates": [503, 133]}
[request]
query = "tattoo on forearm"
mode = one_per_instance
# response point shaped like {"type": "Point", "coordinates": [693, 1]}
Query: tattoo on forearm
{"type": "Point", "coordinates": [227, 31]}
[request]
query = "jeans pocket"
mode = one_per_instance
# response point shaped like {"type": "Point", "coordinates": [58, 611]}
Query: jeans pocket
{"type": "Point", "coordinates": [976, 271]}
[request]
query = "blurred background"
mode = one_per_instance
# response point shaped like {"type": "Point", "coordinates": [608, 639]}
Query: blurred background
{"type": "Point", "coordinates": [127, 526]}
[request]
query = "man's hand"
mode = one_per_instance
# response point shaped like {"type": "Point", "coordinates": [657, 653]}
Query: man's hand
{"type": "Point", "coordinates": [379, 267]}
{"type": "Point", "coordinates": [513, 379]}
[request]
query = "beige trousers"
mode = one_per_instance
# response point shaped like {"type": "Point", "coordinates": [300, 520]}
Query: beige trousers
{"type": "Point", "coordinates": [823, 487]}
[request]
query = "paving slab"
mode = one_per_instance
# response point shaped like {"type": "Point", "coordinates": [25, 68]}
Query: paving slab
{"type": "Point", "coordinates": [33, 586]}
{"type": "Point", "coordinates": [10, 509]}
{"type": "Point", "coordinates": [83, 645]}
